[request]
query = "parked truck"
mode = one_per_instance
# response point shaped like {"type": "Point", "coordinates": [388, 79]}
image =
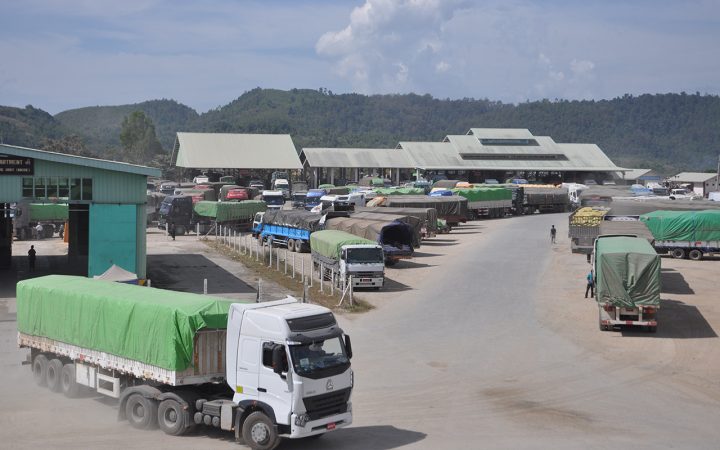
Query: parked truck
{"type": "Point", "coordinates": [583, 228]}
{"type": "Point", "coordinates": [290, 228]}
{"type": "Point", "coordinates": [427, 216]}
{"type": "Point", "coordinates": [685, 234]}
{"type": "Point", "coordinates": [349, 256]}
{"type": "Point", "coordinates": [274, 199]}
{"type": "Point", "coordinates": [486, 202]}
{"type": "Point", "coordinates": [452, 209]}
{"type": "Point", "coordinates": [396, 238]}
{"type": "Point", "coordinates": [27, 216]}
{"type": "Point", "coordinates": [527, 199]}
{"type": "Point", "coordinates": [185, 215]}
{"type": "Point", "coordinates": [627, 281]}
{"type": "Point", "coordinates": [264, 371]}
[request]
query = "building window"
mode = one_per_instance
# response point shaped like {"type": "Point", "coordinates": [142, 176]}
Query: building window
{"type": "Point", "coordinates": [40, 188]}
{"type": "Point", "coordinates": [27, 188]}
{"type": "Point", "coordinates": [87, 188]}
{"type": "Point", "coordinates": [75, 189]}
{"type": "Point", "coordinates": [63, 188]}
{"type": "Point", "coordinates": [52, 187]}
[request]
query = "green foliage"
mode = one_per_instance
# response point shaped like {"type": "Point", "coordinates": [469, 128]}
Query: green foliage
{"type": "Point", "coordinates": [71, 145]}
{"type": "Point", "coordinates": [138, 139]}
{"type": "Point", "coordinates": [27, 127]}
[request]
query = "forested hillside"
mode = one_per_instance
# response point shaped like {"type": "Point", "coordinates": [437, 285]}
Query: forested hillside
{"type": "Point", "coordinates": [668, 132]}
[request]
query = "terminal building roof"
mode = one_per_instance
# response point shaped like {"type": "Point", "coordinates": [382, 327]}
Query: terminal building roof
{"type": "Point", "coordinates": [235, 151]}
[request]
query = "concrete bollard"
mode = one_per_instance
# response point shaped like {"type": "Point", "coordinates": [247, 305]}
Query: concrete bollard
{"type": "Point", "coordinates": [148, 283]}
{"type": "Point", "coordinates": [197, 230]}
{"type": "Point", "coordinates": [205, 286]}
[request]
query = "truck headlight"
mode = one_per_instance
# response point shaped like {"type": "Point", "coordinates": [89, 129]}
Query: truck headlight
{"type": "Point", "coordinates": [302, 419]}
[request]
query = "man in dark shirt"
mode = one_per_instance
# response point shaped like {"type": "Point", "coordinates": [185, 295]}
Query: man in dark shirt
{"type": "Point", "coordinates": [31, 258]}
{"type": "Point", "coordinates": [553, 232]}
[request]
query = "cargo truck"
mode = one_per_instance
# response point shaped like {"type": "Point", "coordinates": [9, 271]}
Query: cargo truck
{"type": "Point", "coordinates": [487, 202]}
{"type": "Point", "coordinates": [583, 228]}
{"type": "Point", "coordinates": [274, 199]}
{"type": "Point", "coordinates": [527, 199]}
{"type": "Point", "coordinates": [427, 216]}
{"type": "Point", "coordinates": [290, 228]}
{"type": "Point", "coordinates": [174, 360]}
{"type": "Point", "coordinates": [27, 216]}
{"type": "Point", "coordinates": [627, 282]}
{"type": "Point", "coordinates": [685, 234]}
{"type": "Point", "coordinates": [349, 256]}
{"type": "Point", "coordinates": [453, 209]}
{"type": "Point", "coordinates": [186, 215]}
{"type": "Point", "coordinates": [396, 238]}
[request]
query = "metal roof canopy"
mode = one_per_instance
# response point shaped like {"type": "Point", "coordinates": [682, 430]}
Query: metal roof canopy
{"type": "Point", "coordinates": [501, 133]}
{"type": "Point", "coordinates": [235, 151]}
{"type": "Point", "coordinates": [356, 157]}
{"type": "Point", "coordinates": [80, 160]}
{"type": "Point", "coordinates": [693, 177]}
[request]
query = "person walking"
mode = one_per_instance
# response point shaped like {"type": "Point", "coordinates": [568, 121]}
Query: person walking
{"type": "Point", "coordinates": [31, 258]}
{"type": "Point", "coordinates": [553, 232]}
{"type": "Point", "coordinates": [590, 285]}
{"type": "Point", "coordinates": [171, 225]}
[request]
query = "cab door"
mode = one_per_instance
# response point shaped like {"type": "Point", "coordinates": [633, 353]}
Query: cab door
{"type": "Point", "coordinates": [274, 389]}
{"type": "Point", "coordinates": [246, 381]}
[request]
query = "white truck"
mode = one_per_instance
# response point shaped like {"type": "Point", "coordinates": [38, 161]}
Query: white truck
{"type": "Point", "coordinates": [283, 186]}
{"type": "Point", "coordinates": [343, 202]}
{"type": "Point", "coordinates": [265, 371]}
{"type": "Point", "coordinates": [274, 199]}
{"type": "Point", "coordinates": [348, 256]}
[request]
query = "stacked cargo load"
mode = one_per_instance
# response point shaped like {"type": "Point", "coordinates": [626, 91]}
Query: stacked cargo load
{"type": "Point", "coordinates": [170, 337]}
{"type": "Point", "coordinates": [427, 215]}
{"type": "Point", "coordinates": [396, 238]}
{"type": "Point", "coordinates": [584, 227]}
{"type": "Point", "coordinates": [413, 221]}
{"type": "Point", "coordinates": [229, 211]}
{"type": "Point", "coordinates": [399, 191]}
{"type": "Point", "coordinates": [685, 234]}
{"type": "Point", "coordinates": [626, 225]}
{"type": "Point", "coordinates": [453, 209]}
{"type": "Point", "coordinates": [486, 201]}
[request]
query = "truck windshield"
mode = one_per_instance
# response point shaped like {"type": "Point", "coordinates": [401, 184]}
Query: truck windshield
{"type": "Point", "coordinates": [318, 356]}
{"type": "Point", "coordinates": [274, 200]}
{"type": "Point", "coordinates": [365, 255]}
{"type": "Point", "coordinates": [165, 208]}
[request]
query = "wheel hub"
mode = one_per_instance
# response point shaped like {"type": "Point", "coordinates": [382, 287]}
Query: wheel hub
{"type": "Point", "coordinates": [171, 415]}
{"type": "Point", "coordinates": [259, 433]}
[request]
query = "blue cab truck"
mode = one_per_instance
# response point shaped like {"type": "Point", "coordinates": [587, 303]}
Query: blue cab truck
{"type": "Point", "coordinates": [288, 228]}
{"type": "Point", "coordinates": [312, 199]}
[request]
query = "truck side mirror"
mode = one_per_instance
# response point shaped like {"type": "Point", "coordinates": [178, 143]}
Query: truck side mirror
{"type": "Point", "coordinates": [348, 347]}
{"type": "Point", "coordinates": [277, 358]}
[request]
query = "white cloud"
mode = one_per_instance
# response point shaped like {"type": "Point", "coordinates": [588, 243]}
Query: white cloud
{"type": "Point", "coordinates": [581, 67]}
{"type": "Point", "coordinates": [442, 66]}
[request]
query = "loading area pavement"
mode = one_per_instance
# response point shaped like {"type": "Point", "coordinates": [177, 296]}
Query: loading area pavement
{"type": "Point", "coordinates": [484, 340]}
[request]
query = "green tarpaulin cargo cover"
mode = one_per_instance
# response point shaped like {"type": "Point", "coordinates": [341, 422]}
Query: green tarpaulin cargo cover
{"type": "Point", "coordinates": [399, 191]}
{"type": "Point", "coordinates": [684, 225]}
{"type": "Point", "coordinates": [484, 194]}
{"type": "Point", "coordinates": [627, 271]}
{"type": "Point", "coordinates": [329, 243]}
{"type": "Point", "coordinates": [153, 326]}
{"type": "Point", "coordinates": [229, 211]}
{"type": "Point", "coordinates": [48, 211]}
{"type": "Point", "coordinates": [452, 206]}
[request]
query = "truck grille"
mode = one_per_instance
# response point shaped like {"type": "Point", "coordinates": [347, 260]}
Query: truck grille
{"type": "Point", "coordinates": [364, 274]}
{"type": "Point", "coordinates": [324, 405]}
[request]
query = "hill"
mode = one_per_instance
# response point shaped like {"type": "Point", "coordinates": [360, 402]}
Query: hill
{"type": "Point", "coordinates": [100, 126]}
{"type": "Point", "coordinates": [27, 127]}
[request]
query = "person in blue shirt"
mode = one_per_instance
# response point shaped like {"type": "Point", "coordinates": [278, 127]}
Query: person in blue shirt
{"type": "Point", "coordinates": [590, 285]}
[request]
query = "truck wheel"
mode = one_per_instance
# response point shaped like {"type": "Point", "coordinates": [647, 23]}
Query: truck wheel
{"type": "Point", "coordinates": [259, 433]}
{"type": "Point", "coordinates": [70, 387]}
{"type": "Point", "coordinates": [141, 412]}
{"type": "Point", "coordinates": [291, 245]}
{"type": "Point", "coordinates": [695, 254]}
{"type": "Point", "coordinates": [53, 375]}
{"type": "Point", "coordinates": [39, 368]}
{"type": "Point", "coordinates": [679, 253]}
{"type": "Point", "coordinates": [172, 418]}
{"type": "Point", "coordinates": [301, 247]}
{"type": "Point", "coordinates": [180, 230]}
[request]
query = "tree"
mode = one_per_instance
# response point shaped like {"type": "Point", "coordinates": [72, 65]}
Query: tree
{"type": "Point", "coordinates": [138, 138]}
{"type": "Point", "coordinates": [70, 145]}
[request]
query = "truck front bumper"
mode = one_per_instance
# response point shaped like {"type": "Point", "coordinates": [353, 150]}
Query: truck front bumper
{"type": "Point", "coordinates": [319, 426]}
{"type": "Point", "coordinates": [362, 282]}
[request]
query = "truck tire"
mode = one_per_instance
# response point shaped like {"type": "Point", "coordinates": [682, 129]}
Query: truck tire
{"type": "Point", "coordinates": [679, 253]}
{"type": "Point", "coordinates": [259, 432]}
{"type": "Point", "coordinates": [141, 412]}
{"type": "Point", "coordinates": [301, 247]}
{"type": "Point", "coordinates": [695, 254]}
{"type": "Point", "coordinates": [291, 245]}
{"type": "Point", "coordinates": [39, 369]}
{"type": "Point", "coordinates": [172, 418]}
{"type": "Point", "coordinates": [180, 230]}
{"type": "Point", "coordinates": [70, 386]}
{"type": "Point", "coordinates": [53, 375]}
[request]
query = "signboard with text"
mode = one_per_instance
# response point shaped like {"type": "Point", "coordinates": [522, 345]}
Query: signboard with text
{"type": "Point", "coordinates": [16, 165]}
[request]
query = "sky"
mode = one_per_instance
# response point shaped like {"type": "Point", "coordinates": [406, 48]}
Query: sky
{"type": "Point", "coordinates": [63, 54]}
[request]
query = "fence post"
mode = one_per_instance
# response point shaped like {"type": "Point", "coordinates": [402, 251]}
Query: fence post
{"type": "Point", "coordinates": [305, 292]}
{"type": "Point", "coordinates": [277, 259]}
{"type": "Point", "coordinates": [148, 283]}
{"type": "Point", "coordinates": [205, 286]}
{"type": "Point", "coordinates": [270, 248]}
{"type": "Point", "coordinates": [302, 270]}
{"type": "Point", "coordinates": [322, 276]}
{"type": "Point", "coordinates": [351, 291]}
{"type": "Point", "coordinates": [197, 230]}
{"type": "Point", "coordinates": [332, 281]}
{"type": "Point", "coordinates": [293, 265]}
{"type": "Point", "coordinates": [285, 261]}
{"type": "Point", "coordinates": [257, 250]}
{"type": "Point", "coordinates": [257, 298]}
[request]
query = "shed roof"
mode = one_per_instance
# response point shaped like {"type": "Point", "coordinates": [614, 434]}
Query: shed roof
{"type": "Point", "coordinates": [693, 177]}
{"type": "Point", "coordinates": [236, 151]}
{"type": "Point", "coordinates": [501, 133]}
{"type": "Point", "coordinates": [356, 157]}
{"type": "Point", "coordinates": [633, 174]}
{"type": "Point", "coordinates": [95, 163]}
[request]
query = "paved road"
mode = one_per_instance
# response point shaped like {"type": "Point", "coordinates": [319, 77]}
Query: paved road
{"type": "Point", "coordinates": [460, 360]}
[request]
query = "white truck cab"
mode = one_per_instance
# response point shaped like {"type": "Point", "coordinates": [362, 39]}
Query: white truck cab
{"type": "Point", "coordinates": [366, 265]}
{"type": "Point", "coordinates": [283, 186]}
{"type": "Point", "coordinates": [274, 199]}
{"type": "Point", "coordinates": [343, 202]}
{"type": "Point", "coordinates": [288, 364]}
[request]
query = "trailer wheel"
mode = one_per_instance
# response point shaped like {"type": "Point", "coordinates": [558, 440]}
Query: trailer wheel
{"type": "Point", "coordinates": [180, 230]}
{"type": "Point", "coordinates": [141, 412]}
{"type": "Point", "coordinates": [695, 254]}
{"type": "Point", "coordinates": [259, 432]}
{"type": "Point", "coordinates": [679, 253]}
{"type": "Point", "coordinates": [70, 387]}
{"type": "Point", "coordinates": [291, 245]}
{"type": "Point", "coordinates": [172, 418]}
{"type": "Point", "coordinates": [39, 368]}
{"type": "Point", "coordinates": [53, 375]}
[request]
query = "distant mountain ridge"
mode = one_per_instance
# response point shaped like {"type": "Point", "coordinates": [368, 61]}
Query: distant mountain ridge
{"type": "Point", "coordinates": [668, 132]}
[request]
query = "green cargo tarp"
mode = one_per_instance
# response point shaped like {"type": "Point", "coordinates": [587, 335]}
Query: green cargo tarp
{"type": "Point", "coordinates": [229, 211]}
{"type": "Point", "coordinates": [329, 243]}
{"type": "Point", "coordinates": [153, 326]}
{"type": "Point", "coordinates": [684, 225]}
{"type": "Point", "coordinates": [399, 191]}
{"type": "Point", "coordinates": [484, 194]}
{"type": "Point", "coordinates": [48, 211]}
{"type": "Point", "coordinates": [627, 271]}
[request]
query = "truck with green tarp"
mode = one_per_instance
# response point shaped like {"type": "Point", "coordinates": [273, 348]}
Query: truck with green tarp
{"type": "Point", "coordinates": [452, 209]}
{"type": "Point", "coordinates": [399, 191]}
{"type": "Point", "coordinates": [27, 216]}
{"type": "Point", "coordinates": [427, 216]}
{"type": "Point", "coordinates": [491, 202]}
{"type": "Point", "coordinates": [348, 256]}
{"type": "Point", "coordinates": [178, 360]}
{"type": "Point", "coordinates": [685, 234]}
{"type": "Point", "coordinates": [627, 282]}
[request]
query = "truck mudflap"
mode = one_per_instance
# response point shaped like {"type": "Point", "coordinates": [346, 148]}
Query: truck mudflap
{"type": "Point", "coordinates": [330, 423]}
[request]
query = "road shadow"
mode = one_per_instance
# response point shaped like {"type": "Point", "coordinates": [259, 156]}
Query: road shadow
{"type": "Point", "coordinates": [440, 242]}
{"type": "Point", "coordinates": [380, 437]}
{"type": "Point", "coordinates": [392, 286]}
{"type": "Point", "coordinates": [424, 255]}
{"type": "Point", "coordinates": [186, 273]}
{"type": "Point", "coordinates": [673, 282]}
{"type": "Point", "coordinates": [408, 264]}
{"type": "Point", "coordinates": [464, 232]}
{"type": "Point", "coordinates": [676, 320]}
